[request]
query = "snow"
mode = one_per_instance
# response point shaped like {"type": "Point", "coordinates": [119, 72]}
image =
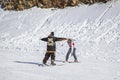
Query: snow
{"type": "Point", "coordinates": [95, 30]}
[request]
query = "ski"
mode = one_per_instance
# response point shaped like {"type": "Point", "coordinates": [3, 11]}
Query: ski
{"type": "Point", "coordinates": [70, 62]}
{"type": "Point", "coordinates": [42, 65]}
{"type": "Point", "coordinates": [67, 61]}
{"type": "Point", "coordinates": [49, 65]}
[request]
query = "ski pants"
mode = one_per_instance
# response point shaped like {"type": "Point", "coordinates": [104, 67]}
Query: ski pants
{"type": "Point", "coordinates": [47, 55]}
{"type": "Point", "coordinates": [73, 54]}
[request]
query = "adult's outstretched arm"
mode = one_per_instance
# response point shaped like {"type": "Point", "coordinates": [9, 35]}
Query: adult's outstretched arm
{"type": "Point", "coordinates": [61, 39]}
{"type": "Point", "coordinates": [44, 39]}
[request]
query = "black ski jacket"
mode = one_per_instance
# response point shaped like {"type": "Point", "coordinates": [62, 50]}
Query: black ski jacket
{"type": "Point", "coordinates": [51, 45]}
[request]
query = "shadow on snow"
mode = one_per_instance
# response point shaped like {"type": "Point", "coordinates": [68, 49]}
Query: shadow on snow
{"type": "Point", "coordinates": [32, 63]}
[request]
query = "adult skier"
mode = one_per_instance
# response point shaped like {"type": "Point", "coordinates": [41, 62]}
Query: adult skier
{"type": "Point", "coordinates": [71, 50]}
{"type": "Point", "coordinates": [51, 47]}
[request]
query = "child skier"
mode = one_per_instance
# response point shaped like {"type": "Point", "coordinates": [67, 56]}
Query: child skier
{"type": "Point", "coordinates": [71, 49]}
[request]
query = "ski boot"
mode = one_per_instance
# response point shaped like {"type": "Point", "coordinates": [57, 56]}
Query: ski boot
{"type": "Point", "coordinates": [76, 61]}
{"type": "Point", "coordinates": [52, 62]}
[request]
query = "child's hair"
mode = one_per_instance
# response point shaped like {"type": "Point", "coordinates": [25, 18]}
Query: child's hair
{"type": "Point", "coordinates": [69, 41]}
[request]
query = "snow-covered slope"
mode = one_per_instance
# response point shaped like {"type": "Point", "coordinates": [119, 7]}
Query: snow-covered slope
{"type": "Point", "coordinates": [95, 30]}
